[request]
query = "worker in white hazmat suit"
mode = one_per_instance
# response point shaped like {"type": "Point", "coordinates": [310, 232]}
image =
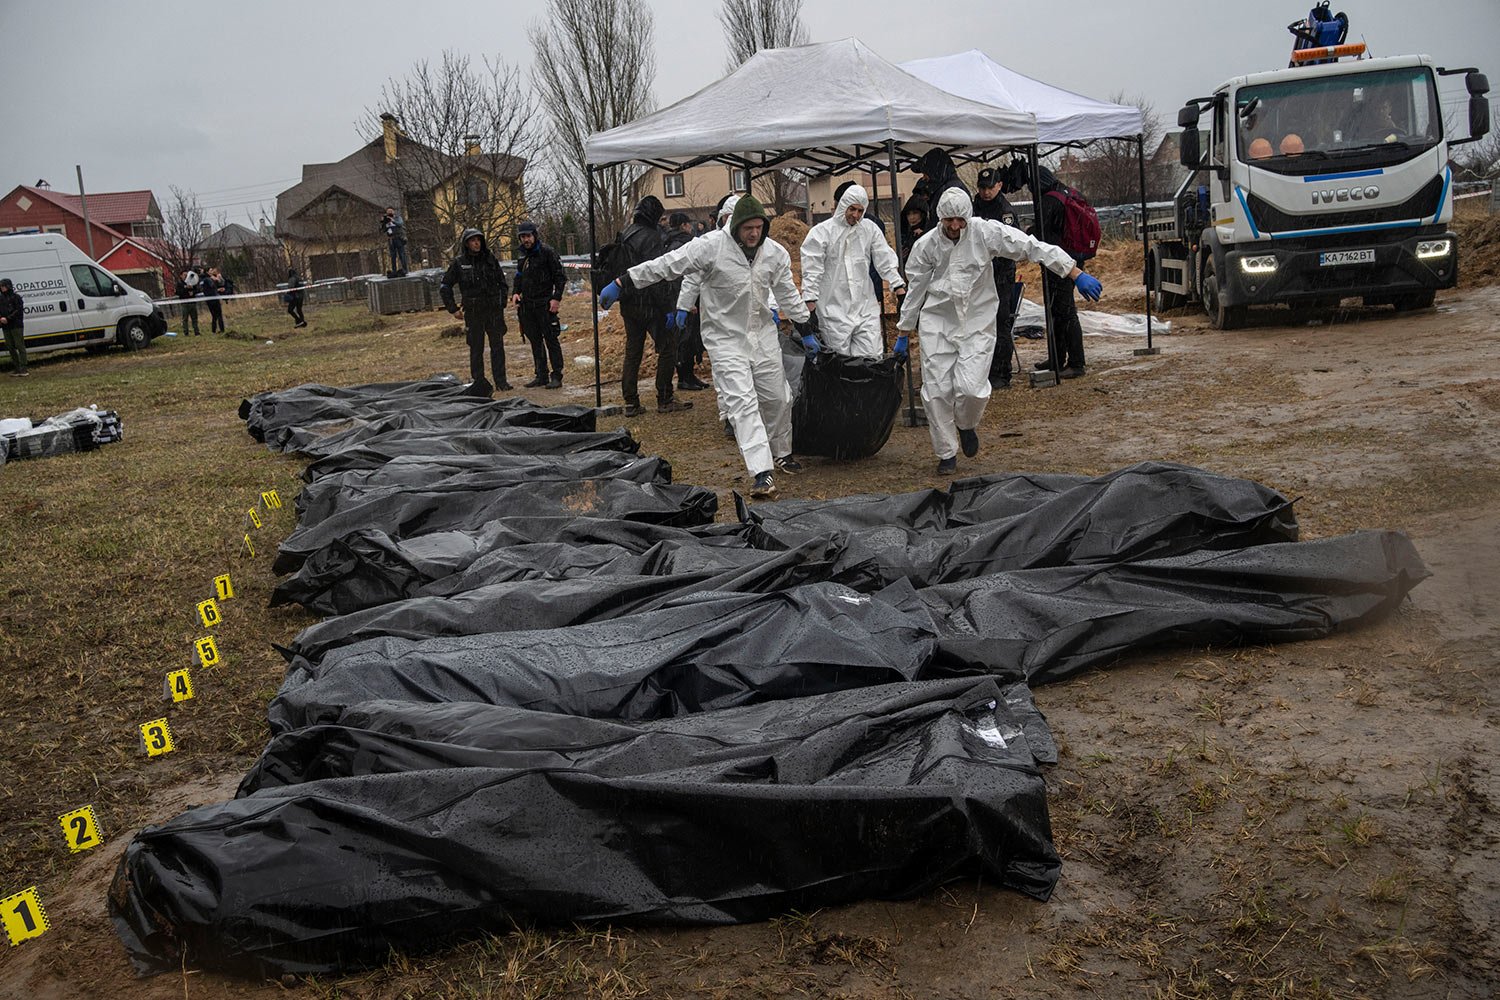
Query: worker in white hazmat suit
{"type": "Point", "coordinates": [736, 268]}
{"type": "Point", "coordinates": [836, 259]}
{"type": "Point", "coordinates": [951, 301]}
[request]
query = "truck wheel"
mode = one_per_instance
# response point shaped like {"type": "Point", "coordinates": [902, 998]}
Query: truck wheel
{"type": "Point", "coordinates": [1162, 300]}
{"type": "Point", "coordinates": [1221, 316]}
{"type": "Point", "coordinates": [133, 335]}
{"type": "Point", "coordinates": [1413, 301]}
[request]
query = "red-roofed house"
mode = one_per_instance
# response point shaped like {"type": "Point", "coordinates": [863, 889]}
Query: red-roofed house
{"type": "Point", "coordinates": [125, 226]}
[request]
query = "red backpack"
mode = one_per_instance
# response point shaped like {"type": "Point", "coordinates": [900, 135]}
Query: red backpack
{"type": "Point", "coordinates": [1080, 234]}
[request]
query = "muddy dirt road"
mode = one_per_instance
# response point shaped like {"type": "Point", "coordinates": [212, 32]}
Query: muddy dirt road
{"type": "Point", "coordinates": [1310, 820]}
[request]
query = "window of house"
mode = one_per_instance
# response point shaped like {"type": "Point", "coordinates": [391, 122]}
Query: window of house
{"type": "Point", "coordinates": [674, 185]}
{"type": "Point", "coordinates": [475, 192]}
{"type": "Point", "coordinates": [59, 230]}
{"type": "Point", "coordinates": [739, 179]}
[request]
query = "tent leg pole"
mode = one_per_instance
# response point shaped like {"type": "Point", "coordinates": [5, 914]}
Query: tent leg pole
{"type": "Point", "coordinates": [911, 384]}
{"type": "Point", "coordinates": [1140, 157]}
{"type": "Point", "coordinates": [594, 295]}
{"type": "Point", "coordinates": [1039, 379]}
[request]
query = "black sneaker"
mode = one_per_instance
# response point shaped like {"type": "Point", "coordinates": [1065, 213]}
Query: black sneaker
{"type": "Point", "coordinates": [1044, 365]}
{"type": "Point", "coordinates": [969, 442]}
{"type": "Point", "coordinates": [764, 487]}
{"type": "Point", "coordinates": [555, 382]}
{"type": "Point", "coordinates": [1000, 383]}
{"type": "Point", "coordinates": [789, 465]}
{"type": "Point", "coordinates": [539, 382]}
{"type": "Point", "coordinates": [947, 466]}
{"type": "Point", "coordinates": [634, 409]}
{"type": "Point", "coordinates": [504, 386]}
{"type": "Point", "coordinates": [1074, 372]}
{"type": "Point", "coordinates": [673, 406]}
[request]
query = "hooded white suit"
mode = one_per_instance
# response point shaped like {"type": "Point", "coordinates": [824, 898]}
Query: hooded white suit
{"type": "Point", "coordinates": [738, 333]}
{"type": "Point", "coordinates": [952, 293]}
{"type": "Point", "coordinates": [836, 259]}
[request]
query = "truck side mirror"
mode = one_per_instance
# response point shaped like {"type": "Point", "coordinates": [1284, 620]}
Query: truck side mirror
{"type": "Point", "coordinates": [1479, 116]}
{"type": "Point", "coordinates": [115, 289]}
{"type": "Point", "coordinates": [1477, 83]}
{"type": "Point", "coordinates": [1187, 116]}
{"type": "Point", "coordinates": [1189, 153]}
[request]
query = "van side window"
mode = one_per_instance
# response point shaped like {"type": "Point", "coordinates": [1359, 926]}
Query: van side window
{"type": "Point", "coordinates": [105, 282]}
{"type": "Point", "coordinates": [83, 277]}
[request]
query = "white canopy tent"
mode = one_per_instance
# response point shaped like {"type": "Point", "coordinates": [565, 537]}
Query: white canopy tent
{"type": "Point", "coordinates": [823, 108]}
{"type": "Point", "coordinates": [1061, 115]}
{"type": "Point", "coordinates": [1063, 118]}
{"type": "Point", "coordinates": [826, 107]}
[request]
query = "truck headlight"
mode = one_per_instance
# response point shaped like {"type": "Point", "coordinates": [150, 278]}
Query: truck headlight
{"type": "Point", "coordinates": [1428, 249]}
{"type": "Point", "coordinates": [1258, 265]}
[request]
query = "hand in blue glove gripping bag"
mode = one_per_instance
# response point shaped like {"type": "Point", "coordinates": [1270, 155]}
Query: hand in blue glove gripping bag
{"type": "Point", "coordinates": [609, 295]}
{"type": "Point", "coordinates": [899, 349]}
{"type": "Point", "coordinates": [677, 320]}
{"type": "Point", "coordinates": [1088, 286]}
{"type": "Point", "coordinates": [812, 344]}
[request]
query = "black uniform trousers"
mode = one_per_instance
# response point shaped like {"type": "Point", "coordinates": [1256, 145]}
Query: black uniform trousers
{"type": "Point", "coordinates": [485, 321]}
{"type": "Point", "coordinates": [1065, 326]}
{"type": "Point", "coordinates": [541, 328]}
{"type": "Point", "coordinates": [216, 315]}
{"type": "Point", "coordinates": [641, 322]}
{"type": "Point", "coordinates": [1005, 320]}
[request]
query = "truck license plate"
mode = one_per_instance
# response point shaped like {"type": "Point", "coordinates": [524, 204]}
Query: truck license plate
{"type": "Point", "coordinates": [1334, 257]}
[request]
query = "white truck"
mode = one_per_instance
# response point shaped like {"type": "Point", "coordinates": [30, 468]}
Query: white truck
{"type": "Point", "coordinates": [1323, 181]}
{"type": "Point", "coordinates": [72, 302]}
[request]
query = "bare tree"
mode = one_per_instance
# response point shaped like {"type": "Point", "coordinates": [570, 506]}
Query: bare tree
{"type": "Point", "coordinates": [1110, 173]}
{"type": "Point", "coordinates": [752, 25]}
{"type": "Point", "coordinates": [466, 134]}
{"type": "Point", "coordinates": [182, 230]}
{"type": "Point", "coordinates": [595, 69]}
{"type": "Point", "coordinates": [1481, 160]}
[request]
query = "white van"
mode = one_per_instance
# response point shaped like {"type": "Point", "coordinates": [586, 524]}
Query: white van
{"type": "Point", "coordinates": [71, 301]}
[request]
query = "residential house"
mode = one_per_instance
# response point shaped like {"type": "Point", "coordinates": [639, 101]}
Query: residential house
{"type": "Point", "coordinates": [252, 260]}
{"type": "Point", "coordinates": [124, 228]}
{"type": "Point", "coordinates": [330, 220]}
{"type": "Point", "coordinates": [696, 191]}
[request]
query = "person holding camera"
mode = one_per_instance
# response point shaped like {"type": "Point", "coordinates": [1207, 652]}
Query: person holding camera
{"type": "Point", "coordinates": [540, 283]}
{"type": "Point", "coordinates": [394, 228]}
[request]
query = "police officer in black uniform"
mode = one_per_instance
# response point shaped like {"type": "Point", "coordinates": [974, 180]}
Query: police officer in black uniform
{"type": "Point", "coordinates": [540, 283]}
{"type": "Point", "coordinates": [477, 275]}
{"type": "Point", "coordinates": [990, 203]}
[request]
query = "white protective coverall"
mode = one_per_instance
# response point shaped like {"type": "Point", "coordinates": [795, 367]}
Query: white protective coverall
{"type": "Point", "coordinates": [741, 341]}
{"type": "Point", "coordinates": [952, 293]}
{"type": "Point", "coordinates": [836, 259]}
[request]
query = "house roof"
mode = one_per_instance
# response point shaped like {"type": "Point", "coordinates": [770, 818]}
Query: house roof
{"type": "Point", "coordinates": [235, 237]}
{"type": "Point", "coordinates": [141, 245]}
{"type": "Point", "coordinates": [362, 174]}
{"type": "Point", "coordinates": [108, 208]}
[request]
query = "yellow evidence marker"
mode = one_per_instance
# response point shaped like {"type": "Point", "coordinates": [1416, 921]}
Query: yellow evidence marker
{"type": "Point", "coordinates": [254, 516]}
{"type": "Point", "coordinates": [207, 650]}
{"type": "Point", "coordinates": [271, 499]}
{"type": "Point", "coordinates": [208, 613]}
{"type": "Point", "coordinates": [81, 829]}
{"type": "Point", "coordinates": [224, 587]}
{"type": "Point", "coordinates": [249, 546]}
{"type": "Point", "coordinates": [179, 685]}
{"type": "Point", "coordinates": [156, 738]}
{"type": "Point", "coordinates": [23, 916]}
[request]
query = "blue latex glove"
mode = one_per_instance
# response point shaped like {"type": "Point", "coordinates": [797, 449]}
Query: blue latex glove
{"type": "Point", "coordinates": [1089, 287]}
{"type": "Point", "coordinates": [775, 316]}
{"type": "Point", "coordinates": [680, 317]}
{"type": "Point", "coordinates": [811, 344]}
{"type": "Point", "coordinates": [900, 346]}
{"type": "Point", "coordinates": [609, 295]}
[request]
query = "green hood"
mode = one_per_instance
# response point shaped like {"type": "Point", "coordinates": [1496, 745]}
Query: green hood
{"type": "Point", "coordinates": [747, 208]}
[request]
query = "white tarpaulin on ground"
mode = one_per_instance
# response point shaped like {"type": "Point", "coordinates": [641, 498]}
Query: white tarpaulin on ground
{"type": "Point", "coordinates": [1029, 316]}
{"type": "Point", "coordinates": [1061, 115]}
{"type": "Point", "coordinates": [812, 106]}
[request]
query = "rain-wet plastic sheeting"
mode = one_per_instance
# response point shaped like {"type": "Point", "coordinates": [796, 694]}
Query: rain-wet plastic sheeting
{"type": "Point", "coordinates": [469, 473]}
{"type": "Point", "coordinates": [423, 511]}
{"type": "Point", "coordinates": [1012, 522]}
{"type": "Point", "coordinates": [701, 653]}
{"type": "Point", "coordinates": [495, 814]}
{"type": "Point", "coordinates": [317, 440]}
{"type": "Point", "coordinates": [268, 412]}
{"type": "Point", "coordinates": [376, 451]}
{"type": "Point", "coordinates": [845, 407]}
{"type": "Point", "coordinates": [592, 585]}
{"type": "Point", "coordinates": [366, 568]}
{"type": "Point", "coordinates": [1053, 622]}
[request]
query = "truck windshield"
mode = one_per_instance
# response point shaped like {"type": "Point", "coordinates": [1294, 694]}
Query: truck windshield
{"type": "Point", "coordinates": [1337, 122]}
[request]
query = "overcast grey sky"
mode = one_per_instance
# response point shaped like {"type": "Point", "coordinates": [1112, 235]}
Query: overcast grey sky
{"type": "Point", "coordinates": [229, 100]}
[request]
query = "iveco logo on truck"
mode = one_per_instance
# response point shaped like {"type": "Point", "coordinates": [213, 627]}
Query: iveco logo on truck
{"type": "Point", "coordinates": [1345, 194]}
